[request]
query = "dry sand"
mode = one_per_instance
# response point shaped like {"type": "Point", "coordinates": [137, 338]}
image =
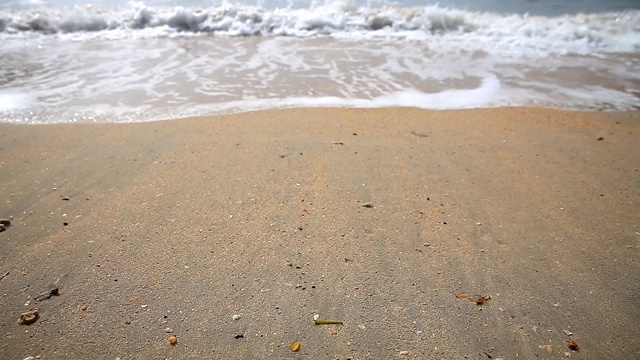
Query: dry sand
{"type": "Point", "coordinates": [183, 224]}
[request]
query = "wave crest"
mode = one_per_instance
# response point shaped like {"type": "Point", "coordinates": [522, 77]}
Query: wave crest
{"type": "Point", "coordinates": [612, 32]}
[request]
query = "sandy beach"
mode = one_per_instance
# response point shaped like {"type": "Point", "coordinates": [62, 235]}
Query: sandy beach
{"type": "Point", "coordinates": [393, 221]}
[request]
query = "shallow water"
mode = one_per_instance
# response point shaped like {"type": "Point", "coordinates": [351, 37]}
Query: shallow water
{"type": "Point", "coordinates": [138, 62]}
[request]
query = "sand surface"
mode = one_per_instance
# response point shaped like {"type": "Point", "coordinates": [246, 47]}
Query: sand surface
{"type": "Point", "coordinates": [183, 224]}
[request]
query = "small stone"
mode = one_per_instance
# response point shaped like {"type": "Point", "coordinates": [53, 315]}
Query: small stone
{"type": "Point", "coordinates": [236, 317]}
{"type": "Point", "coordinates": [28, 317]}
{"type": "Point", "coordinates": [367, 205]}
{"type": "Point", "coordinates": [173, 340]}
{"type": "Point", "coordinates": [83, 307]}
{"type": "Point", "coordinates": [567, 332]}
{"type": "Point", "coordinates": [168, 330]}
{"type": "Point", "coordinates": [29, 358]}
{"type": "Point", "coordinates": [404, 353]}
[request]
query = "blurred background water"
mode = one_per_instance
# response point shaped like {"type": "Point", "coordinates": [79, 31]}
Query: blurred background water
{"type": "Point", "coordinates": [120, 61]}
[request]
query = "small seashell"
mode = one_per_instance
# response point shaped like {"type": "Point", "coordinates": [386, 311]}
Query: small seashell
{"type": "Point", "coordinates": [295, 346]}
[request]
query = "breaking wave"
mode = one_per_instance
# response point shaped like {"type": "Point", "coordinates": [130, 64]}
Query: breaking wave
{"type": "Point", "coordinates": [582, 33]}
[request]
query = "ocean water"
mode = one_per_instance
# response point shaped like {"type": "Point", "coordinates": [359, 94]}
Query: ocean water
{"type": "Point", "coordinates": [126, 61]}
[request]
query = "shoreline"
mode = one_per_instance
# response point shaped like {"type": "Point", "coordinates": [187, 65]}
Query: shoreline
{"type": "Point", "coordinates": [183, 224]}
{"type": "Point", "coordinates": [234, 115]}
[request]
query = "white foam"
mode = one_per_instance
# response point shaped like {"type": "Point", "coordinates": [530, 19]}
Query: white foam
{"type": "Point", "coordinates": [481, 96]}
{"type": "Point", "coordinates": [14, 101]}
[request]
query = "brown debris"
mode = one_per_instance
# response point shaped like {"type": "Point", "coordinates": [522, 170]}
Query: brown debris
{"type": "Point", "coordinates": [173, 340]}
{"type": "Point", "coordinates": [572, 345]}
{"type": "Point", "coordinates": [479, 300]}
{"type": "Point", "coordinates": [28, 317]}
{"type": "Point", "coordinates": [482, 299]}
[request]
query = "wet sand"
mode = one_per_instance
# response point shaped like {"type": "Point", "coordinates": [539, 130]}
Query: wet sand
{"type": "Point", "coordinates": [378, 218]}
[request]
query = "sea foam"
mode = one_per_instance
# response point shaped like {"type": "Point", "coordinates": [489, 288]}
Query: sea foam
{"type": "Point", "coordinates": [140, 63]}
{"type": "Point", "coordinates": [610, 32]}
